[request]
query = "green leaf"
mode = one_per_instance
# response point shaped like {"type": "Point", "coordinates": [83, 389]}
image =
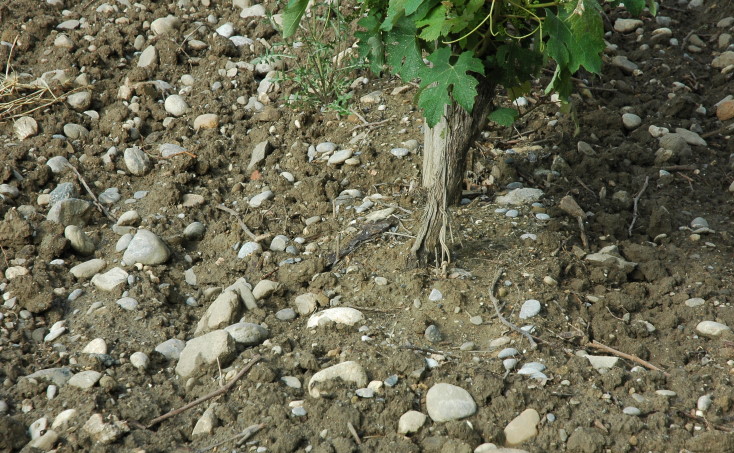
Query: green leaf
{"type": "Point", "coordinates": [575, 36]}
{"type": "Point", "coordinates": [504, 116]}
{"type": "Point", "coordinates": [403, 54]}
{"type": "Point", "coordinates": [371, 45]}
{"type": "Point", "coordinates": [635, 7]}
{"type": "Point", "coordinates": [395, 10]}
{"type": "Point", "coordinates": [445, 81]}
{"type": "Point", "coordinates": [434, 23]}
{"type": "Point", "coordinates": [292, 16]}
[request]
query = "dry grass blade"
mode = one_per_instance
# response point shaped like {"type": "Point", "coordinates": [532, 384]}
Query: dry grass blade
{"type": "Point", "coordinates": [19, 99]}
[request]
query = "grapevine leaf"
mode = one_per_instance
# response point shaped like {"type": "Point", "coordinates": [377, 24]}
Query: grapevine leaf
{"type": "Point", "coordinates": [434, 23]}
{"type": "Point", "coordinates": [411, 6]}
{"type": "Point", "coordinates": [513, 65]}
{"type": "Point", "coordinates": [292, 16]}
{"type": "Point", "coordinates": [445, 81]}
{"type": "Point", "coordinates": [371, 45]}
{"type": "Point", "coordinates": [504, 116]}
{"type": "Point", "coordinates": [395, 10]}
{"type": "Point", "coordinates": [635, 7]}
{"type": "Point", "coordinates": [403, 53]}
{"type": "Point", "coordinates": [575, 37]}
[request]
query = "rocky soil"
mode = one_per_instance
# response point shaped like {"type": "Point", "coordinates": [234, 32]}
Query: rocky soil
{"type": "Point", "coordinates": [171, 228]}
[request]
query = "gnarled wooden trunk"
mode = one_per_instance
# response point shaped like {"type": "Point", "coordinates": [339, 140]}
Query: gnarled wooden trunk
{"type": "Point", "coordinates": [444, 163]}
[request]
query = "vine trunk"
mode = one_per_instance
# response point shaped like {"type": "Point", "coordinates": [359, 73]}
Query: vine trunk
{"type": "Point", "coordinates": [444, 163]}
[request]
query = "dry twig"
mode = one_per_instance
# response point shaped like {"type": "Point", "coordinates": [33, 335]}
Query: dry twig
{"type": "Point", "coordinates": [99, 206]}
{"type": "Point", "coordinates": [503, 320]}
{"type": "Point", "coordinates": [239, 221]}
{"type": "Point", "coordinates": [354, 434]}
{"type": "Point", "coordinates": [211, 395]}
{"type": "Point", "coordinates": [595, 344]}
{"type": "Point", "coordinates": [243, 436]}
{"type": "Point", "coordinates": [637, 200]}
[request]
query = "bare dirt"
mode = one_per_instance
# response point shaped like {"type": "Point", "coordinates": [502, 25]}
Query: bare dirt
{"type": "Point", "coordinates": [617, 178]}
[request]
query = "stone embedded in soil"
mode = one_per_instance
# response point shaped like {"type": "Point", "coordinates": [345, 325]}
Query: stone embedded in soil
{"type": "Point", "coordinates": [96, 346]}
{"type": "Point", "coordinates": [712, 329]}
{"type": "Point", "coordinates": [110, 279]}
{"type": "Point", "coordinates": [85, 379]}
{"type": "Point", "coordinates": [58, 164]}
{"type": "Point", "coordinates": [286, 314]}
{"type": "Point", "coordinates": [45, 442]}
{"type": "Point", "coordinates": [626, 25]}
{"type": "Point", "coordinates": [624, 64]}
{"type": "Point", "coordinates": [206, 121]}
{"type": "Point", "coordinates": [602, 362]}
{"type": "Point", "coordinates": [194, 231]}
{"type": "Point", "coordinates": [259, 199]}
{"type": "Point", "coordinates": [146, 248]}
{"type": "Point", "coordinates": [247, 333]}
{"type": "Point", "coordinates": [139, 360]}
{"type": "Point", "coordinates": [694, 302]}
{"type": "Point", "coordinates": [213, 347]}
{"type": "Point", "coordinates": [72, 211]}
{"type": "Point", "coordinates": [127, 303]}
{"type": "Point", "coordinates": [57, 376]}
{"type": "Point", "coordinates": [522, 196]}
{"type": "Point", "coordinates": [25, 127]}
{"type": "Point", "coordinates": [339, 315]}
{"type": "Point", "coordinates": [349, 372]}
{"type": "Point", "coordinates": [129, 218]}
{"type": "Point", "coordinates": [164, 25]}
{"type": "Point", "coordinates": [522, 427]}
{"type": "Point", "coordinates": [291, 381]}
{"type": "Point", "coordinates": [88, 268]}
{"type": "Point", "coordinates": [222, 312]}
{"type": "Point", "coordinates": [306, 304]}
{"type": "Point", "coordinates": [631, 121]}
{"type": "Point", "coordinates": [136, 161]}
{"type": "Point", "coordinates": [206, 423]}
{"type": "Point", "coordinates": [530, 308]}
{"type": "Point", "coordinates": [631, 410]}
{"type": "Point", "coordinates": [264, 289]}
{"type": "Point", "coordinates": [725, 110]}
{"type": "Point", "coordinates": [80, 101]}
{"type": "Point", "coordinates": [340, 156]}
{"type": "Point", "coordinates": [446, 402]}
{"type": "Point", "coordinates": [75, 131]}
{"type": "Point", "coordinates": [253, 11]}
{"type": "Point", "coordinates": [149, 57]}
{"type": "Point", "coordinates": [104, 433]}
{"type": "Point", "coordinates": [610, 256]}
{"type": "Point", "coordinates": [723, 60]}
{"type": "Point", "coordinates": [171, 349]}
{"type": "Point", "coordinates": [279, 243]}
{"type": "Point", "coordinates": [79, 240]}
{"type": "Point", "coordinates": [175, 105]}
{"type": "Point", "coordinates": [411, 422]}
{"type": "Point", "coordinates": [433, 334]}
{"type": "Point", "coordinates": [249, 248]}
{"type": "Point", "coordinates": [492, 448]}
{"type": "Point", "coordinates": [690, 137]}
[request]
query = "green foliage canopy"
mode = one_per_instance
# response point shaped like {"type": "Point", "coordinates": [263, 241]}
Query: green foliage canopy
{"type": "Point", "coordinates": [467, 42]}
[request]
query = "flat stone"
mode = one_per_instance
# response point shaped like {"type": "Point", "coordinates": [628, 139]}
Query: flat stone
{"type": "Point", "coordinates": [104, 433]}
{"type": "Point", "coordinates": [712, 329]}
{"type": "Point", "coordinates": [286, 314]}
{"type": "Point", "coordinates": [206, 423]}
{"type": "Point", "coordinates": [522, 428]}
{"type": "Point", "coordinates": [253, 11]}
{"type": "Point", "coordinates": [213, 347]}
{"type": "Point", "coordinates": [626, 25]}
{"type": "Point", "coordinates": [79, 240]}
{"type": "Point", "coordinates": [723, 60]}
{"type": "Point", "coordinates": [72, 211]}
{"type": "Point", "coordinates": [45, 442]}
{"type": "Point", "coordinates": [259, 153]}
{"type": "Point", "coordinates": [85, 379]}
{"type": "Point", "coordinates": [446, 402]}
{"type": "Point", "coordinates": [411, 422]}
{"type": "Point", "coordinates": [624, 64]}
{"type": "Point", "coordinates": [338, 315]}
{"type": "Point", "coordinates": [694, 302]}
{"type": "Point", "coordinates": [194, 231]}
{"type": "Point", "coordinates": [128, 303]}
{"type": "Point", "coordinates": [123, 242]}
{"type": "Point", "coordinates": [691, 137]}
{"type": "Point", "coordinates": [110, 279]}
{"type": "Point", "coordinates": [291, 381]}
{"type": "Point", "coordinates": [609, 256]}
{"type": "Point", "coordinates": [340, 156]}
{"type": "Point", "coordinates": [530, 308]}
{"type": "Point", "coordinates": [129, 218]}
{"type": "Point", "coordinates": [191, 200]}
{"type": "Point", "coordinates": [57, 376]}
{"type": "Point", "coordinates": [206, 121]}
{"type": "Point", "coordinates": [349, 372]}
{"type": "Point", "coordinates": [75, 131]}
{"type": "Point", "coordinates": [146, 248]}
{"type": "Point", "coordinates": [600, 362]}
{"type": "Point", "coordinates": [225, 309]}
{"type": "Point", "coordinates": [247, 333]}
{"type": "Point", "coordinates": [171, 349]}
{"type": "Point", "coordinates": [522, 196]}
{"type": "Point", "coordinates": [58, 164]}
{"type": "Point", "coordinates": [88, 268]}
{"type": "Point", "coordinates": [25, 127]}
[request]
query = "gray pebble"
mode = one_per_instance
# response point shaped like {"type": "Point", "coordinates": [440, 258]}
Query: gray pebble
{"type": "Point", "coordinates": [63, 191]}
{"type": "Point", "coordinates": [529, 309]}
{"type": "Point", "coordinates": [279, 243]}
{"type": "Point", "coordinates": [80, 101]}
{"type": "Point", "coordinates": [88, 268]}
{"type": "Point", "coordinates": [432, 334]}
{"type": "Point", "coordinates": [299, 411]}
{"type": "Point", "coordinates": [170, 149]}
{"type": "Point", "coordinates": [631, 410]}
{"type": "Point", "coordinates": [391, 381]}
{"type": "Point", "coordinates": [71, 211]}
{"type": "Point", "coordinates": [74, 295]}
{"type": "Point", "coordinates": [292, 382]}
{"type": "Point", "coordinates": [340, 156]}
{"type": "Point", "coordinates": [631, 121]}
{"type": "Point", "coordinates": [123, 242]}
{"type": "Point", "coordinates": [286, 314]}
{"type": "Point", "coordinates": [128, 303]}
{"type": "Point", "coordinates": [110, 196]}
{"type": "Point", "coordinates": [146, 248]}
{"type": "Point", "coordinates": [695, 302]}
{"type": "Point", "coordinates": [476, 320]}
{"type": "Point", "coordinates": [259, 199]}
{"type": "Point", "coordinates": [139, 360]}
{"type": "Point", "coordinates": [25, 127]}
{"type": "Point", "coordinates": [249, 248]}
{"type": "Point", "coordinates": [58, 164]}
{"type": "Point", "coordinates": [365, 393]}
{"type": "Point", "coordinates": [171, 349]}
{"type": "Point", "coordinates": [399, 152]}
{"type": "Point", "coordinates": [512, 213]}
{"type": "Point", "coordinates": [175, 105]}
{"type": "Point", "coordinates": [79, 240]}
{"type": "Point", "coordinates": [446, 402]}
{"type": "Point", "coordinates": [194, 231]}
{"type": "Point", "coordinates": [508, 352]}
{"type": "Point", "coordinates": [246, 333]}
{"type": "Point", "coordinates": [137, 162]}
{"type": "Point", "coordinates": [85, 379]}
{"type": "Point", "coordinates": [699, 222]}
{"type": "Point", "coordinates": [75, 131]}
